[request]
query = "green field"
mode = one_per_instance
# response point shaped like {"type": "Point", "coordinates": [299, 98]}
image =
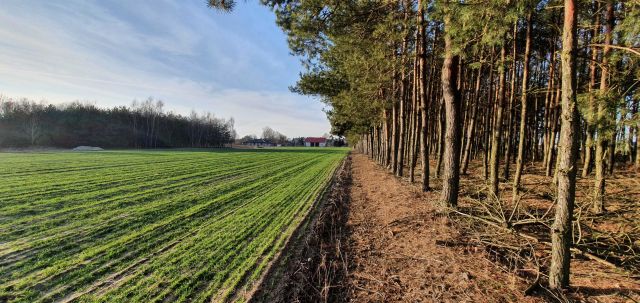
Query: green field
{"type": "Point", "coordinates": [150, 226]}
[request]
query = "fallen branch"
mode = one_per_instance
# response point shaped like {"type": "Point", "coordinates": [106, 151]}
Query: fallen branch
{"type": "Point", "coordinates": [536, 240]}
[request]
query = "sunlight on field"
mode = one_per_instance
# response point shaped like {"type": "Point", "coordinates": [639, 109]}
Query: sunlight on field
{"type": "Point", "coordinates": [140, 226]}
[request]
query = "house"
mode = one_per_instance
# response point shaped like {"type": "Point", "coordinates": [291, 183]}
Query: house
{"type": "Point", "coordinates": [315, 142]}
{"type": "Point", "coordinates": [258, 143]}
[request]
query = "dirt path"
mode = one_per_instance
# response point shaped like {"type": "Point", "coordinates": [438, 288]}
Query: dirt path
{"type": "Point", "coordinates": [397, 252]}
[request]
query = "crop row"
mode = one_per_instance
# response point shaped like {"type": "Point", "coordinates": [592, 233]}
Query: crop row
{"type": "Point", "coordinates": [185, 226]}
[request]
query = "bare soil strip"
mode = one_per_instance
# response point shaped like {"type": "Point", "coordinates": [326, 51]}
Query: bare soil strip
{"type": "Point", "coordinates": [399, 248]}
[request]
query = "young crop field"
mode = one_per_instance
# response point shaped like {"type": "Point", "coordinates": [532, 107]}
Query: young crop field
{"type": "Point", "coordinates": [150, 226]}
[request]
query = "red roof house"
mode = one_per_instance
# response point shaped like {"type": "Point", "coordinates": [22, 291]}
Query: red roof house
{"type": "Point", "coordinates": [315, 142]}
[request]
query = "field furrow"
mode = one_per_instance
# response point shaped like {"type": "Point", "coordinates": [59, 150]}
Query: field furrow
{"type": "Point", "coordinates": [140, 226]}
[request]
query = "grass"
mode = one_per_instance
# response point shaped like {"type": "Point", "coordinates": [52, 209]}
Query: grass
{"type": "Point", "coordinates": [150, 226]}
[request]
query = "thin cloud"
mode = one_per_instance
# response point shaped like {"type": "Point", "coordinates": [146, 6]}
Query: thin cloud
{"type": "Point", "coordinates": [181, 52]}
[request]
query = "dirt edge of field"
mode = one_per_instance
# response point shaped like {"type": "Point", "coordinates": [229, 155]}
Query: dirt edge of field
{"type": "Point", "coordinates": [312, 265]}
{"type": "Point", "coordinates": [403, 248]}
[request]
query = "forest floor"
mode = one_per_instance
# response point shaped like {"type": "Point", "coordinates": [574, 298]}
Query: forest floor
{"type": "Point", "coordinates": [402, 248]}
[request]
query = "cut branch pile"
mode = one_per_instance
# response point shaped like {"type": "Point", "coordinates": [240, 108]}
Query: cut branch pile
{"type": "Point", "coordinates": [517, 236]}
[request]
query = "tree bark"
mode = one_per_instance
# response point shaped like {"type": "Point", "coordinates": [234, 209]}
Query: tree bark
{"type": "Point", "coordinates": [601, 140]}
{"type": "Point", "coordinates": [523, 112]}
{"type": "Point", "coordinates": [401, 122]}
{"type": "Point", "coordinates": [488, 122]}
{"type": "Point", "coordinates": [424, 127]}
{"type": "Point", "coordinates": [472, 122]}
{"type": "Point", "coordinates": [394, 123]}
{"type": "Point", "coordinates": [413, 113]}
{"type": "Point", "coordinates": [512, 97]}
{"type": "Point", "coordinates": [554, 112]}
{"type": "Point", "coordinates": [494, 177]}
{"type": "Point", "coordinates": [441, 135]}
{"type": "Point", "coordinates": [548, 109]}
{"type": "Point", "coordinates": [591, 130]}
{"type": "Point", "coordinates": [451, 97]}
{"type": "Point", "coordinates": [387, 136]}
{"type": "Point", "coordinates": [611, 152]}
{"type": "Point", "coordinates": [561, 232]}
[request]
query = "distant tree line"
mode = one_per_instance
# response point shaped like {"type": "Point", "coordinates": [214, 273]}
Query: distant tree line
{"type": "Point", "coordinates": [25, 123]}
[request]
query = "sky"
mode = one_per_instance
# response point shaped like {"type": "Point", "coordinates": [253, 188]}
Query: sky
{"type": "Point", "coordinates": [111, 52]}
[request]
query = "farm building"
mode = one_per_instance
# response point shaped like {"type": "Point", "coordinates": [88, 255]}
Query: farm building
{"type": "Point", "coordinates": [315, 142]}
{"type": "Point", "coordinates": [258, 143]}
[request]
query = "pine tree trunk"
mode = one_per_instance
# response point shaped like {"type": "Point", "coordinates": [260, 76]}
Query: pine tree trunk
{"type": "Point", "coordinates": [402, 132]}
{"type": "Point", "coordinates": [548, 105]}
{"type": "Point", "coordinates": [412, 120]}
{"type": "Point", "coordinates": [472, 122]}
{"type": "Point", "coordinates": [451, 97]}
{"type": "Point", "coordinates": [387, 138]}
{"type": "Point", "coordinates": [394, 124]}
{"type": "Point", "coordinates": [591, 129]}
{"type": "Point", "coordinates": [561, 232]}
{"type": "Point", "coordinates": [612, 149]}
{"type": "Point", "coordinates": [523, 112]}
{"type": "Point", "coordinates": [424, 127]}
{"type": "Point", "coordinates": [628, 143]}
{"type": "Point", "coordinates": [487, 141]}
{"type": "Point", "coordinates": [601, 140]}
{"type": "Point", "coordinates": [401, 122]}
{"type": "Point", "coordinates": [494, 177]}
{"type": "Point", "coordinates": [441, 136]}
{"type": "Point", "coordinates": [488, 122]}
{"type": "Point", "coordinates": [512, 96]}
{"type": "Point", "coordinates": [402, 144]}
{"type": "Point", "coordinates": [554, 114]}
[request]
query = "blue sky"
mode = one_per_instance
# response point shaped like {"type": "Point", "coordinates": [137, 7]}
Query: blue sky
{"type": "Point", "coordinates": [111, 52]}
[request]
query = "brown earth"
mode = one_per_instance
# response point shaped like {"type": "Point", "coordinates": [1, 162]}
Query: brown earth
{"type": "Point", "coordinates": [401, 249]}
{"type": "Point", "coordinates": [395, 231]}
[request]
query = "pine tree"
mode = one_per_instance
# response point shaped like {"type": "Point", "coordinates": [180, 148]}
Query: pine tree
{"type": "Point", "coordinates": [452, 134]}
{"type": "Point", "coordinates": [561, 231]}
